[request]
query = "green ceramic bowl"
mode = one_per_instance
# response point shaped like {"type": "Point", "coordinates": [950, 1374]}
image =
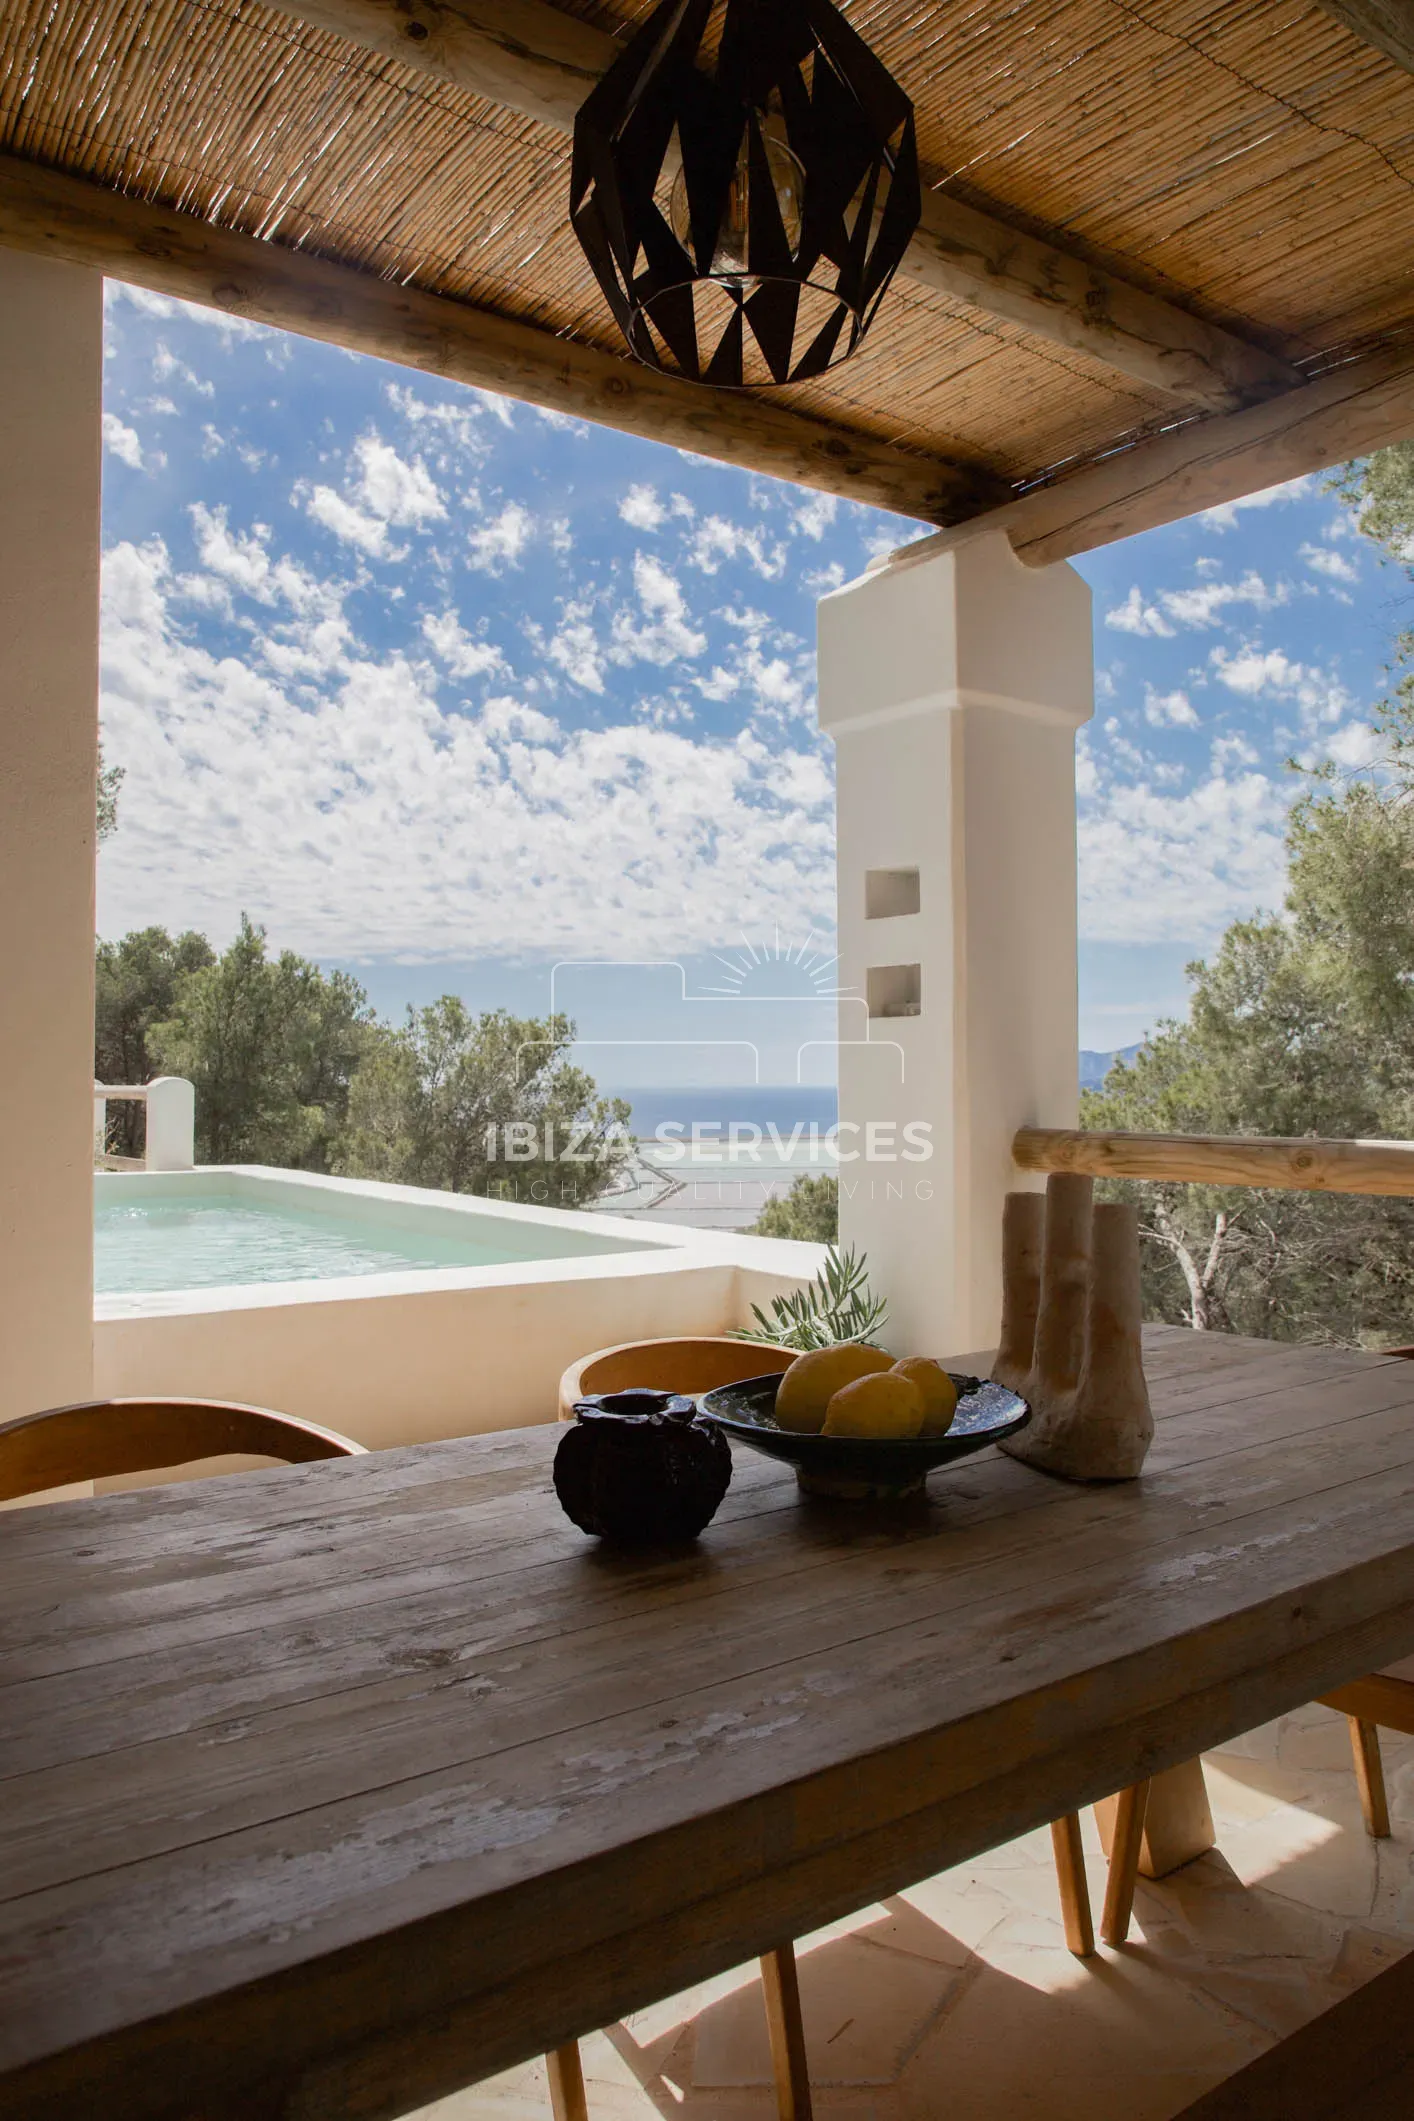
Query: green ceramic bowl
{"type": "Point", "coordinates": [862, 1468]}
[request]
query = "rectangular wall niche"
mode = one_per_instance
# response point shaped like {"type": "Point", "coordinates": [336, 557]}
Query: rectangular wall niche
{"type": "Point", "coordinates": [890, 892]}
{"type": "Point", "coordinates": [894, 990]}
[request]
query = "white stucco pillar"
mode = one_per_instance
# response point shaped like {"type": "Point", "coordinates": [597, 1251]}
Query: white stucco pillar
{"type": "Point", "coordinates": [953, 689]}
{"type": "Point", "coordinates": [51, 362]}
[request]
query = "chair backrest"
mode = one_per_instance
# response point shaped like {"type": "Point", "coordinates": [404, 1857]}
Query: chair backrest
{"type": "Point", "coordinates": [98, 1437]}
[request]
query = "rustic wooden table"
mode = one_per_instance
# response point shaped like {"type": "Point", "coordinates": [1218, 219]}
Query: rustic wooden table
{"type": "Point", "coordinates": [330, 1790]}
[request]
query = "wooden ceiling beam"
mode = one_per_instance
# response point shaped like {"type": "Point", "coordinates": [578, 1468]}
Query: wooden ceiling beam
{"type": "Point", "coordinates": [532, 58]}
{"type": "Point", "coordinates": [59, 216]}
{"type": "Point", "coordinates": [1347, 412]}
{"type": "Point", "coordinates": [1387, 24]}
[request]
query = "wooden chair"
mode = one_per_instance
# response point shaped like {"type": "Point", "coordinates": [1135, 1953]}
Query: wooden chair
{"type": "Point", "coordinates": [98, 1437]}
{"type": "Point", "coordinates": [1385, 1697]}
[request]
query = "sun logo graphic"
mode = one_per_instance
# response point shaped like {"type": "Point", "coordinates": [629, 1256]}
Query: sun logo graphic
{"type": "Point", "coordinates": [778, 972]}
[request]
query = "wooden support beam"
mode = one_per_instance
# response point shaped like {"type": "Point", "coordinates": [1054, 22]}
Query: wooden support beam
{"type": "Point", "coordinates": [1363, 406]}
{"type": "Point", "coordinates": [1387, 24]}
{"type": "Point", "coordinates": [1291, 1165]}
{"type": "Point", "coordinates": [59, 216]}
{"type": "Point", "coordinates": [533, 58]}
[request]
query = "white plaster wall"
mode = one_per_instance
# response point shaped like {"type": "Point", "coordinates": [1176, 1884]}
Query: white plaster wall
{"type": "Point", "coordinates": [398, 1369]}
{"type": "Point", "coordinates": [51, 359]}
{"type": "Point", "coordinates": [953, 689]}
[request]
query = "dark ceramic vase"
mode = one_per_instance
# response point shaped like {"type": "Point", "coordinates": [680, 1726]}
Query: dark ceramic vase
{"type": "Point", "coordinates": [639, 1469]}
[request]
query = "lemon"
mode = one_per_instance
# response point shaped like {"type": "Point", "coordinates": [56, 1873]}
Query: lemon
{"type": "Point", "coordinates": [884, 1405]}
{"type": "Point", "coordinates": [812, 1380]}
{"type": "Point", "coordinates": [937, 1388]}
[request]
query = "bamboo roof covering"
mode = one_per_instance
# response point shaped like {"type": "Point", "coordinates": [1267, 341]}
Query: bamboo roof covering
{"type": "Point", "coordinates": [1251, 161]}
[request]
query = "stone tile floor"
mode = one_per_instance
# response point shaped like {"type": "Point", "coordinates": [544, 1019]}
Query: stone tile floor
{"type": "Point", "coordinates": [958, 1997]}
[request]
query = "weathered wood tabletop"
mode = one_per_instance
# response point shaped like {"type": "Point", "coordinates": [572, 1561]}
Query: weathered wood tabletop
{"type": "Point", "coordinates": [331, 1789]}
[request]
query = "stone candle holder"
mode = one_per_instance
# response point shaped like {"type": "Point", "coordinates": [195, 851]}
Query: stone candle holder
{"type": "Point", "coordinates": [1070, 1284]}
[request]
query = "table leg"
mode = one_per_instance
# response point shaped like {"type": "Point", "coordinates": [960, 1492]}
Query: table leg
{"type": "Point", "coordinates": [567, 2100]}
{"type": "Point", "coordinates": [1074, 1889]}
{"type": "Point", "coordinates": [781, 1989]}
{"type": "Point", "coordinates": [1178, 1825]}
{"type": "Point", "coordinates": [1130, 1807]}
{"type": "Point", "coordinates": [1369, 1776]}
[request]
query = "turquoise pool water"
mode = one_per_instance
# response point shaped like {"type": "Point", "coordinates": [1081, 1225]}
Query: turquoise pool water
{"type": "Point", "coordinates": [214, 1241]}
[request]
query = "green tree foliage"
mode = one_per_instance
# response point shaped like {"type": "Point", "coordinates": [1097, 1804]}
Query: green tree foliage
{"type": "Point", "coordinates": [110, 780]}
{"type": "Point", "coordinates": [1301, 1025]}
{"type": "Point", "coordinates": [433, 1102]}
{"type": "Point", "coordinates": [271, 1045]}
{"type": "Point", "coordinates": [136, 983]}
{"type": "Point", "coordinates": [810, 1212]}
{"type": "Point", "coordinates": [1380, 489]}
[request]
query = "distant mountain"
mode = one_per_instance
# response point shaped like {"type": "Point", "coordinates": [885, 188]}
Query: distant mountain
{"type": "Point", "coordinates": [1094, 1067]}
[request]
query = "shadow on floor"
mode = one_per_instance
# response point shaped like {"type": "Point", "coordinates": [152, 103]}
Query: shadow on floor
{"type": "Point", "coordinates": [958, 1998]}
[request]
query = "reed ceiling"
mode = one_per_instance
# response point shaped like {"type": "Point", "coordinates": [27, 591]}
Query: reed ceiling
{"type": "Point", "coordinates": [1250, 160]}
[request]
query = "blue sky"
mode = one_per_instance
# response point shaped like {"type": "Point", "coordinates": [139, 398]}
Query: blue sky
{"type": "Point", "coordinates": [447, 690]}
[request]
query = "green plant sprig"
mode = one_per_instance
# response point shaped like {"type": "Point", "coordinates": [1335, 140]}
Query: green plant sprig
{"type": "Point", "coordinates": [837, 1306]}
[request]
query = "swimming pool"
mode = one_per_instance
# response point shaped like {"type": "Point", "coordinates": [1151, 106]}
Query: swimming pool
{"type": "Point", "coordinates": [204, 1231]}
{"type": "Point", "coordinates": [392, 1313]}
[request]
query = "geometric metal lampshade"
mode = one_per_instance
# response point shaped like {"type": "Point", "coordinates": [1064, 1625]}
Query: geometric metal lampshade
{"type": "Point", "coordinates": [745, 181]}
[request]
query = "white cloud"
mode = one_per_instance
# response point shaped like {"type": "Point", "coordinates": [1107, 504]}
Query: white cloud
{"type": "Point", "coordinates": [1255, 673]}
{"type": "Point", "coordinates": [463, 654]}
{"type": "Point", "coordinates": [823, 581]}
{"type": "Point", "coordinates": [455, 422]}
{"type": "Point", "coordinates": [1354, 746]}
{"type": "Point", "coordinates": [1156, 867]}
{"type": "Point", "coordinates": [168, 369]}
{"type": "Point", "coordinates": [1201, 606]}
{"type": "Point", "coordinates": [815, 518]}
{"type": "Point", "coordinates": [1334, 565]}
{"type": "Point", "coordinates": [641, 508]}
{"type": "Point", "coordinates": [122, 441]}
{"type": "Point", "coordinates": [1233, 750]}
{"type": "Point", "coordinates": [715, 540]}
{"type": "Point", "coordinates": [575, 648]}
{"type": "Point", "coordinates": [1169, 710]}
{"type": "Point", "coordinates": [1256, 670]}
{"type": "Point", "coordinates": [1135, 616]}
{"type": "Point", "coordinates": [240, 560]}
{"type": "Point", "coordinates": [384, 490]}
{"type": "Point", "coordinates": [392, 488]}
{"type": "Point", "coordinates": [379, 826]}
{"type": "Point", "coordinates": [509, 720]}
{"type": "Point", "coordinates": [665, 633]}
{"type": "Point", "coordinates": [350, 524]}
{"type": "Point", "coordinates": [1226, 515]}
{"type": "Point", "coordinates": [500, 542]}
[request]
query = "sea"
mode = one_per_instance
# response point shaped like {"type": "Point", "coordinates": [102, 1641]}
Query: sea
{"type": "Point", "coordinates": [699, 1162]}
{"type": "Point", "coordinates": [708, 1156]}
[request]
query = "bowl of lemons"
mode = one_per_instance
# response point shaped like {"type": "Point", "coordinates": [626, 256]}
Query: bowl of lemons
{"type": "Point", "coordinates": [857, 1424]}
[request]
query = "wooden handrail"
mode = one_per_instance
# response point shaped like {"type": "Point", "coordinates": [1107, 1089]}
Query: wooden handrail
{"type": "Point", "coordinates": [1290, 1163]}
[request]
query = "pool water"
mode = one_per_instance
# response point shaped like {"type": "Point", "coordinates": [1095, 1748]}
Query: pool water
{"type": "Point", "coordinates": [213, 1241]}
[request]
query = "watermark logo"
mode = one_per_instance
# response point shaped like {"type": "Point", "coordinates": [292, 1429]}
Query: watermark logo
{"type": "Point", "coordinates": [734, 1142]}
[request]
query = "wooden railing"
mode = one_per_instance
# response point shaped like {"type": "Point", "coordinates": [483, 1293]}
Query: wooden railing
{"type": "Point", "coordinates": [1293, 1164]}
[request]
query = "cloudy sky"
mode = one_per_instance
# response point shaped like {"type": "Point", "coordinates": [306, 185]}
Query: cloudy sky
{"type": "Point", "coordinates": [447, 690]}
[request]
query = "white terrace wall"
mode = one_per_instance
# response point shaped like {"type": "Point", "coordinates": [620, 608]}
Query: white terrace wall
{"type": "Point", "coordinates": [51, 365]}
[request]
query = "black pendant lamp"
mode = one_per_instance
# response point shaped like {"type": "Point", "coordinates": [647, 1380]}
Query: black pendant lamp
{"type": "Point", "coordinates": [745, 182]}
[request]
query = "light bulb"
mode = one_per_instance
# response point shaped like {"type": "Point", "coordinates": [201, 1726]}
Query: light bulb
{"type": "Point", "coordinates": [732, 257]}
